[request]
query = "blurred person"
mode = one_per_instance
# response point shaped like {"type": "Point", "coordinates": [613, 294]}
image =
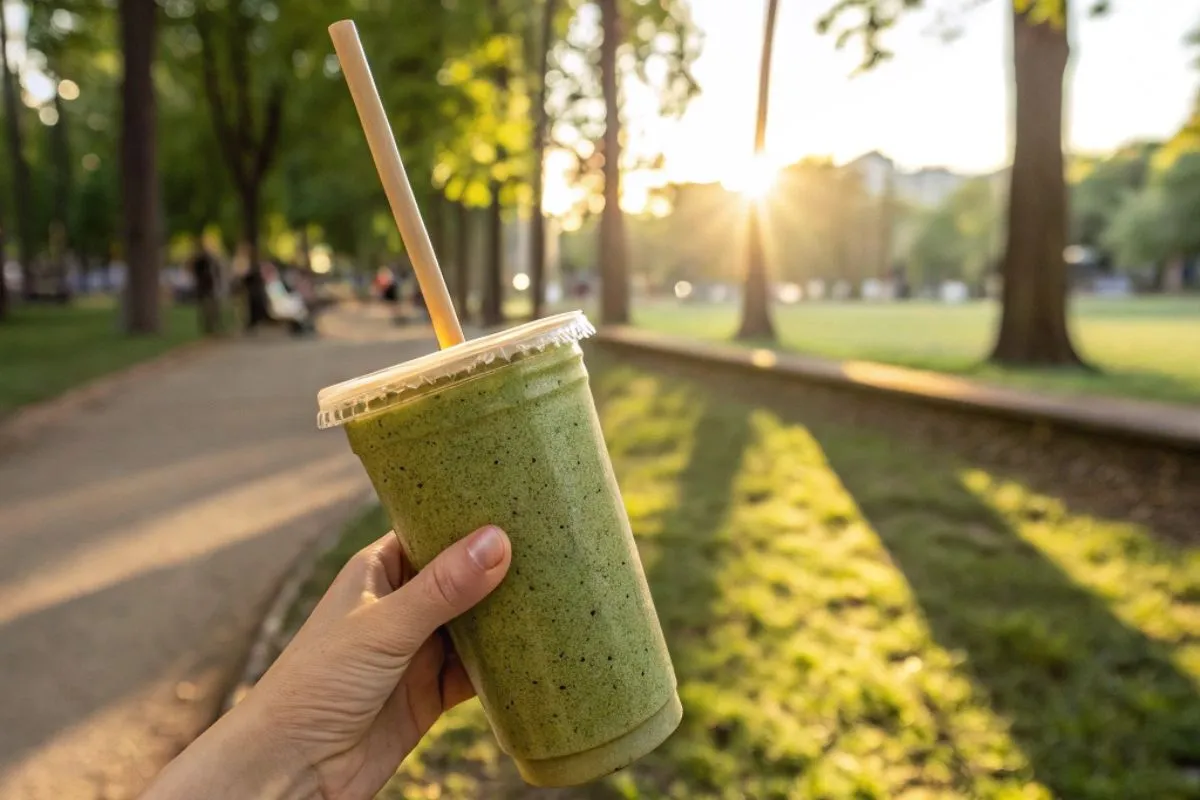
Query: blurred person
{"type": "Point", "coordinates": [283, 304]}
{"type": "Point", "coordinates": [386, 285]}
{"type": "Point", "coordinates": [358, 687]}
{"type": "Point", "coordinates": [254, 285]}
{"type": "Point", "coordinates": [204, 279]}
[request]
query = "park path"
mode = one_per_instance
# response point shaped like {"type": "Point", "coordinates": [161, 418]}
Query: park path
{"type": "Point", "coordinates": [141, 539]}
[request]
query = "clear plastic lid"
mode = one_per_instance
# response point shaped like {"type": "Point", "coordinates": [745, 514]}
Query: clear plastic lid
{"type": "Point", "coordinates": [369, 393]}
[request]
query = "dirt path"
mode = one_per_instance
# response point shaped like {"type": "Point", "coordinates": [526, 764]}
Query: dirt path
{"type": "Point", "coordinates": [142, 536]}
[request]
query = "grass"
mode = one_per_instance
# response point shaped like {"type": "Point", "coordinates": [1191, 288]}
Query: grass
{"type": "Point", "coordinates": [1144, 347]}
{"type": "Point", "coordinates": [47, 349]}
{"type": "Point", "coordinates": [845, 625]}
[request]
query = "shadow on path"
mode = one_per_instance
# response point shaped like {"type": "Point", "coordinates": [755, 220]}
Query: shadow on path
{"type": "Point", "coordinates": [68, 680]}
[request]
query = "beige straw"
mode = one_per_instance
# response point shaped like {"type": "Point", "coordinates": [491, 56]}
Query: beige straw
{"type": "Point", "coordinates": [395, 182]}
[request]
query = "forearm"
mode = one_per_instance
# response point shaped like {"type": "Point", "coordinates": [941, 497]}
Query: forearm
{"type": "Point", "coordinates": [236, 758]}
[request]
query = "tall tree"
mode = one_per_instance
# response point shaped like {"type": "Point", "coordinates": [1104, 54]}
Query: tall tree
{"type": "Point", "coordinates": [249, 145]}
{"type": "Point", "coordinates": [60, 225]}
{"type": "Point", "coordinates": [139, 168]}
{"type": "Point", "coordinates": [462, 259]}
{"type": "Point", "coordinates": [23, 205]}
{"type": "Point", "coordinates": [537, 225]}
{"type": "Point", "coordinates": [483, 140]}
{"type": "Point", "coordinates": [492, 308]}
{"type": "Point", "coordinates": [631, 36]}
{"type": "Point", "coordinates": [4, 301]}
{"type": "Point", "coordinates": [614, 248]}
{"type": "Point", "coordinates": [1033, 319]}
{"type": "Point", "coordinates": [1033, 325]}
{"type": "Point", "coordinates": [756, 299]}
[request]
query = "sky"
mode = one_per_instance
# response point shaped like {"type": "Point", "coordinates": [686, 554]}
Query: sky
{"type": "Point", "coordinates": [934, 104]}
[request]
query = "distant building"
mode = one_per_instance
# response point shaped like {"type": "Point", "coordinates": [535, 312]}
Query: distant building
{"type": "Point", "coordinates": [927, 187]}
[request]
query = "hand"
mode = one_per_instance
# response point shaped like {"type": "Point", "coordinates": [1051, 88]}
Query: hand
{"type": "Point", "coordinates": [361, 683]}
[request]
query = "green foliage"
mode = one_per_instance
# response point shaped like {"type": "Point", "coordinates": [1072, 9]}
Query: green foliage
{"type": "Point", "coordinates": [660, 44]}
{"type": "Point", "coordinates": [961, 239]}
{"type": "Point", "coordinates": [1097, 196]}
{"type": "Point", "coordinates": [822, 223]}
{"type": "Point", "coordinates": [1159, 222]}
{"type": "Point", "coordinates": [436, 67]}
{"type": "Point", "coordinates": [1137, 234]}
{"type": "Point", "coordinates": [491, 143]}
{"type": "Point", "coordinates": [868, 21]}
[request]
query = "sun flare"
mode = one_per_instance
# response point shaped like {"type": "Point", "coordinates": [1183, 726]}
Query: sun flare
{"type": "Point", "coordinates": [752, 179]}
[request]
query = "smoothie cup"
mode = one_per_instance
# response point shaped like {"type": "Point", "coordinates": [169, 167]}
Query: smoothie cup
{"type": "Point", "coordinates": [567, 655]}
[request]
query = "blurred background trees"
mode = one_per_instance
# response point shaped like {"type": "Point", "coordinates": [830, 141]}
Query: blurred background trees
{"type": "Point", "coordinates": [246, 133]}
{"type": "Point", "coordinates": [134, 129]}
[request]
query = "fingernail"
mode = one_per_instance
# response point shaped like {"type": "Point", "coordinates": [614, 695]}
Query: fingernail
{"type": "Point", "coordinates": [486, 547]}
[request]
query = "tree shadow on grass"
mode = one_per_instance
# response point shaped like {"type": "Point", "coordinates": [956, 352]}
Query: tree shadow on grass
{"type": "Point", "coordinates": [1098, 707]}
{"type": "Point", "coordinates": [683, 537]}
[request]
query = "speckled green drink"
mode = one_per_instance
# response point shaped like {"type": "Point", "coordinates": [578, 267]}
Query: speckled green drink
{"type": "Point", "coordinates": [567, 654]}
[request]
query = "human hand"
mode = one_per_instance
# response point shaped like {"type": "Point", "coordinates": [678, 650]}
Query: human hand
{"type": "Point", "coordinates": [357, 688]}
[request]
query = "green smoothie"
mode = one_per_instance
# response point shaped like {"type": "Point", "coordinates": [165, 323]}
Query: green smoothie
{"type": "Point", "coordinates": [567, 655]}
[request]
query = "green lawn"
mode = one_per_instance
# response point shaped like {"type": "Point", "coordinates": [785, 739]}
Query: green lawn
{"type": "Point", "coordinates": [844, 626]}
{"type": "Point", "coordinates": [1144, 347]}
{"type": "Point", "coordinates": [45, 349]}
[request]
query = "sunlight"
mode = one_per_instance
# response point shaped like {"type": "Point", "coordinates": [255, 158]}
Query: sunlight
{"type": "Point", "coordinates": [753, 179]}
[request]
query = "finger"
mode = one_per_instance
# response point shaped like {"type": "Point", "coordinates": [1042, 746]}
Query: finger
{"type": "Point", "coordinates": [391, 558]}
{"type": "Point", "coordinates": [424, 679]}
{"type": "Point", "coordinates": [456, 685]}
{"type": "Point", "coordinates": [461, 575]}
{"type": "Point", "coordinates": [382, 563]}
{"type": "Point", "coordinates": [365, 574]}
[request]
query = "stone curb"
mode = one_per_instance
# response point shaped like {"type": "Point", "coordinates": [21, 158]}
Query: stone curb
{"type": "Point", "coordinates": [1158, 424]}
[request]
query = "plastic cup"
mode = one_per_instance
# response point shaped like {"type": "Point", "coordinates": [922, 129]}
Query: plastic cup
{"type": "Point", "coordinates": [567, 655]}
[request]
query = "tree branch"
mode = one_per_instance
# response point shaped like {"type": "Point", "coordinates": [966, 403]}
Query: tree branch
{"type": "Point", "coordinates": [240, 72]}
{"type": "Point", "coordinates": [273, 121]}
{"type": "Point", "coordinates": [212, 89]}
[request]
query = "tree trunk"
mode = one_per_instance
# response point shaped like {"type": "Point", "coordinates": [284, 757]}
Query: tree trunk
{"type": "Point", "coordinates": [756, 302]}
{"type": "Point", "coordinates": [4, 302]}
{"type": "Point", "coordinates": [60, 238]}
{"type": "Point", "coordinates": [462, 260]}
{"type": "Point", "coordinates": [541, 121]}
{"type": "Point", "coordinates": [614, 252]}
{"type": "Point", "coordinates": [256, 289]}
{"type": "Point", "coordinates": [492, 311]}
{"type": "Point", "coordinates": [139, 173]}
{"type": "Point", "coordinates": [248, 153]}
{"type": "Point", "coordinates": [304, 247]}
{"type": "Point", "coordinates": [1033, 321]}
{"type": "Point", "coordinates": [756, 299]}
{"type": "Point", "coordinates": [23, 203]}
{"type": "Point", "coordinates": [437, 226]}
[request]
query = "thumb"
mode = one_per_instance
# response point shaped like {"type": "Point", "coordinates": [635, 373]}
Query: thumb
{"type": "Point", "coordinates": [461, 575]}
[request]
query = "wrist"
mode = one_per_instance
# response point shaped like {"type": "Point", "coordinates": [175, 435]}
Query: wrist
{"type": "Point", "coordinates": [267, 760]}
{"type": "Point", "coordinates": [240, 755]}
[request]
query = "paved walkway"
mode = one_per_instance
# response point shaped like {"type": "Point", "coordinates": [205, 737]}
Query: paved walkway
{"type": "Point", "coordinates": [1174, 426]}
{"type": "Point", "coordinates": [142, 537]}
